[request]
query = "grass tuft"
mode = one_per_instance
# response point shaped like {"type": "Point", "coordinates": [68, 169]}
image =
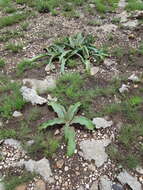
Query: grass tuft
{"type": "Point", "coordinates": [11, 98]}
{"type": "Point", "coordinates": [2, 63]}
{"type": "Point", "coordinates": [13, 19]}
{"type": "Point", "coordinates": [14, 48]}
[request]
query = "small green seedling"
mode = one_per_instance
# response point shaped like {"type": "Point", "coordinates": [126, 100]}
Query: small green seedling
{"type": "Point", "coordinates": [68, 118]}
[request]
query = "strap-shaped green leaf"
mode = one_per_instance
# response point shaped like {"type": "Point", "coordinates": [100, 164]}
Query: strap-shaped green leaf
{"type": "Point", "coordinates": [70, 138]}
{"type": "Point", "coordinates": [85, 52]}
{"type": "Point", "coordinates": [51, 123]}
{"type": "Point", "coordinates": [59, 109]}
{"type": "Point", "coordinates": [83, 121]}
{"type": "Point", "coordinates": [62, 60]}
{"type": "Point", "coordinates": [71, 146]}
{"type": "Point", "coordinates": [38, 57]}
{"type": "Point", "coordinates": [87, 65]}
{"type": "Point", "coordinates": [73, 109]}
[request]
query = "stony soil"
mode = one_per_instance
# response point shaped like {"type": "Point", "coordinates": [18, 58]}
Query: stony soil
{"type": "Point", "coordinates": [76, 172]}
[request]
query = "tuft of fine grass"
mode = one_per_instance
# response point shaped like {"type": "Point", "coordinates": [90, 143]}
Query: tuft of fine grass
{"type": "Point", "coordinates": [2, 63]}
{"type": "Point", "coordinates": [104, 6]}
{"type": "Point", "coordinates": [11, 182]}
{"type": "Point", "coordinates": [34, 114]}
{"type": "Point", "coordinates": [129, 160]}
{"type": "Point", "coordinates": [140, 49]}
{"type": "Point", "coordinates": [23, 66]}
{"type": "Point", "coordinates": [11, 98]}
{"type": "Point", "coordinates": [73, 87]}
{"type": "Point", "coordinates": [14, 48]}
{"type": "Point", "coordinates": [13, 19]}
{"type": "Point", "coordinates": [10, 34]}
{"type": "Point", "coordinates": [134, 5]}
{"type": "Point", "coordinates": [7, 133]}
{"type": "Point", "coordinates": [46, 145]}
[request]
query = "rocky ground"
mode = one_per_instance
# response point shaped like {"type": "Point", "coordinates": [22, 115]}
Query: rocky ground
{"type": "Point", "coordinates": [90, 168]}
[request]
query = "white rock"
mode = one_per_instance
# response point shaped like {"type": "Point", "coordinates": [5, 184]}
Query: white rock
{"type": "Point", "coordinates": [17, 114]}
{"type": "Point", "coordinates": [30, 142]}
{"type": "Point", "coordinates": [80, 188]}
{"type": "Point", "coordinates": [109, 62]}
{"type": "Point", "coordinates": [124, 88]}
{"type": "Point", "coordinates": [122, 3]}
{"type": "Point", "coordinates": [105, 183]}
{"type": "Point", "coordinates": [94, 70]}
{"type": "Point", "coordinates": [94, 150]}
{"type": "Point", "coordinates": [87, 186]}
{"type": "Point", "coordinates": [139, 170]}
{"type": "Point", "coordinates": [134, 78]}
{"type": "Point", "coordinates": [125, 178]}
{"type": "Point", "coordinates": [66, 168]}
{"type": "Point", "coordinates": [108, 28]}
{"type": "Point", "coordinates": [2, 186]}
{"type": "Point", "coordinates": [30, 95]}
{"type": "Point", "coordinates": [123, 16]}
{"type": "Point", "coordinates": [41, 86]}
{"type": "Point", "coordinates": [41, 167]}
{"type": "Point", "coordinates": [50, 98]}
{"type": "Point", "coordinates": [94, 186]}
{"type": "Point", "coordinates": [92, 5]}
{"type": "Point", "coordinates": [57, 132]}
{"type": "Point", "coordinates": [131, 24]}
{"type": "Point", "coordinates": [13, 143]}
{"type": "Point", "coordinates": [49, 67]}
{"type": "Point", "coordinates": [137, 14]}
{"type": "Point", "coordinates": [100, 122]}
{"type": "Point", "coordinates": [1, 123]}
{"type": "Point", "coordinates": [117, 187]}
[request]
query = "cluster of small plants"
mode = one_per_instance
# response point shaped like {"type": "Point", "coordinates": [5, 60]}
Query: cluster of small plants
{"type": "Point", "coordinates": [68, 50]}
{"type": "Point", "coordinates": [68, 118]}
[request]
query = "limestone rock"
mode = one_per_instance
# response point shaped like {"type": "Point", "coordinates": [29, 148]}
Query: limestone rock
{"type": "Point", "coordinates": [1, 123]}
{"type": "Point", "coordinates": [80, 188]}
{"type": "Point", "coordinates": [41, 167]}
{"type": "Point", "coordinates": [21, 187]}
{"type": "Point", "coordinates": [49, 67]}
{"type": "Point", "coordinates": [100, 122]}
{"type": "Point", "coordinates": [60, 163]}
{"type": "Point", "coordinates": [40, 185]}
{"type": "Point", "coordinates": [94, 150]}
{"type": "Point", "coordinates": [109, 62]}
{"type": "Point", "coordinates": [108, 28]}
{"type": "Point", "coordinates": [137, 15]}
{"type": "Point", "coordinates": [134, 78]}
{"type": "Point", "coordinates": [123, 16]}
{"type": "Point", "coordinates": [124, 88]}
{"type": "Point", "coordinates": [139, 170]}
{"type": "Point", "coordinates": [17, 114]}
{"type": "Point", "coordinates": [117, 187]}
{"type": "Point", "coordinates": [2, 186]}
{"type": "Point", "coordinates": [125, 178]}
{"type": "Point", "coordinates": [92, 5]}
{"type": "Point", "coordinates": [94, 70]}
{"type": "Point", "coordinates": [105, 183]}
{"type": "Point", "coordinates": [50, 98]}
{"type": "Point", "coordinates": [40, 86]}
{"type": "Point", "coordinates": [30, 95]}
{"type": "Point", "coordinates": [131, 24]}
{"type": "Point", "coordinates": [122, 4]}
{"type": "Point", "coordinates": [94, 186]}
{"type": "Point", "coordinates": [30, 142]}
{"type": "Point", "coordinates": [12, 142]}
